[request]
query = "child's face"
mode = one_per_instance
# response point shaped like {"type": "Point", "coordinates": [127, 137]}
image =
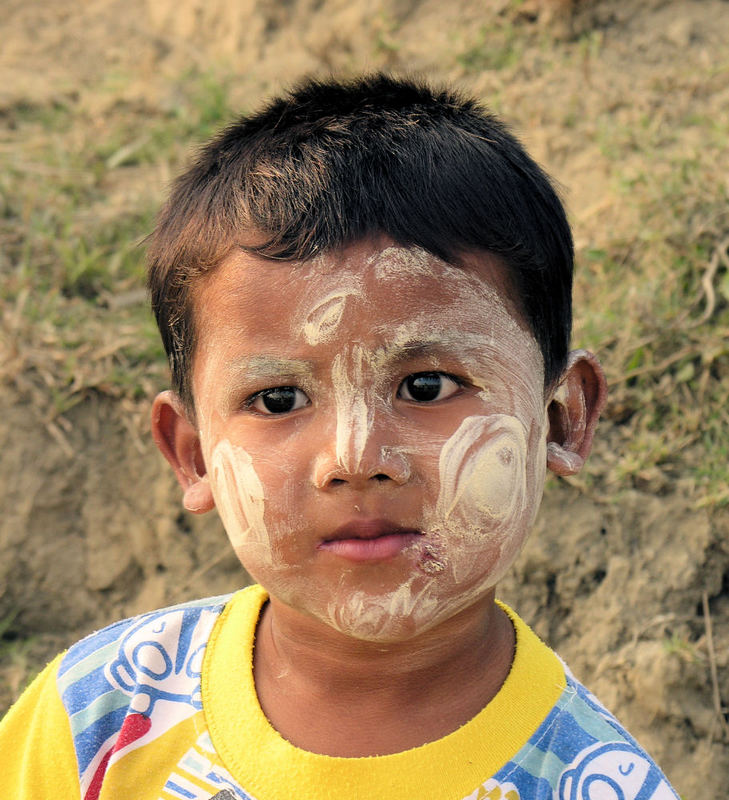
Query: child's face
{"type": "Point", "coordinates": [373, 427]}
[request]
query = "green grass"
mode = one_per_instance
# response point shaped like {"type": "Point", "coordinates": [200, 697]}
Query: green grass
{"type": "Point", "coordinates": [657, 303]}
{"type": "Point", "coordinates": [496, 46]}
{"type": "Point", "coordinates": [73, 269]}
{"type": "Point", "coordinates": [18, 665]}
{"type": "Point", "coordinates": [679, 646]}
{"type": "Point", "coordinates": [71, 261]}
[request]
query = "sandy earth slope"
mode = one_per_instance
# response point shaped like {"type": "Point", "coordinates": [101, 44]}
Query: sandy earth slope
{"type": "Point", "coordinates": [616, 580]}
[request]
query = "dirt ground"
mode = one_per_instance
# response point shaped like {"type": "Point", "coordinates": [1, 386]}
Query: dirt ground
{"type": "Point", "coordinates": [628, 582]}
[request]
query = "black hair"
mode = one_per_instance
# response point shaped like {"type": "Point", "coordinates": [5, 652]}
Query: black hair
{"type": "Point", "coordinates": [333, 162]}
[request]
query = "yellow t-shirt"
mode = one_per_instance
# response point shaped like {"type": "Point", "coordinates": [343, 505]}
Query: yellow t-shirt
{"type": "Point", "coordinates": [164, 706]}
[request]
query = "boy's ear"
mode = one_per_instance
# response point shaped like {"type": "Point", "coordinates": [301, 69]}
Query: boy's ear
{"type": "Point", "coordinates": [573, 413]}
{"type": "Point", "coordinates": [179, 442]}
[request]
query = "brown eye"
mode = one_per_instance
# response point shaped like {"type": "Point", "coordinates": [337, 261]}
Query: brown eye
{"type": "Point", "coordinates": [426, 387]}
{"type": "Point", "coordinates": [280, 400]}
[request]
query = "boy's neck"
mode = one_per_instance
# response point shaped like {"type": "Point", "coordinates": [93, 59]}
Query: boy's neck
{"type": "Point", "coordinates": [332, 694]}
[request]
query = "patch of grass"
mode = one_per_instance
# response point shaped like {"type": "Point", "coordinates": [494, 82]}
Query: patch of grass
{"type": "Point", "coordinates": [496, 46]}
{"type": "Point", "coordinates": [22, 657]}
{"type": "Point", "coordinates": [17, 666]}
{"type": "Point", "coordinates": [681, 647]}
{"type": "Point", "coordinates": [57, 114]}
{"type": "Point", "coordinates": [75, 316]}
{"type": "Point", "coordinates": [386, 45]}
{"type": "Point", "coordinates": [198, 106]}
{"type": "Point", "coordinates": [657, 305]}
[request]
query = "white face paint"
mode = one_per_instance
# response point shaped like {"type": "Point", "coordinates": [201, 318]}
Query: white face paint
{"type": "Point", "coordinates": [482, 469]}
{"type": "Point", "coordinates": [355, 407]}
{"type": "Point", "coordinates": [238, 495]}
{"type": "Point", "coordinates": [486, 474]}
{"type": "Point", "coordinates": [461, 475]}
{"type": "Point", "coordinates": [325, 315]}
{"type": "Point", "coordinates": [401, 262]}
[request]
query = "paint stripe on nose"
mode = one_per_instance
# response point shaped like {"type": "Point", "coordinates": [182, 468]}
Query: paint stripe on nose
{"type": "Point", "coordinates": [354, 421]}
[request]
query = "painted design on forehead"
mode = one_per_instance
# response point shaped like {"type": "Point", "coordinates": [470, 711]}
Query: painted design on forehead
{"type": "Point", "coordinates": [238, 495]}
{"type": "Point", "coordinates": [396, 262]}
{"type": "Point", "coordinates": [472, 312]}
{"type": "Point", "coordinates": [323, 319]}
{"type": "Point", "coordinates": [468, 288]}
{"type": "Point", "coordinates": [324, 297]}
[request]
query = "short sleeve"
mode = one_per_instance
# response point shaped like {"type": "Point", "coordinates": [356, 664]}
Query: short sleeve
{"type": "Point", "coordinates": [37, 757]}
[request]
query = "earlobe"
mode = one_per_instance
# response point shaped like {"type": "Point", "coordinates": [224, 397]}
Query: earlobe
{"type": "Point", "coordinates": [574, 412]}
{"type": "Point", "coordinates": [179, 442]}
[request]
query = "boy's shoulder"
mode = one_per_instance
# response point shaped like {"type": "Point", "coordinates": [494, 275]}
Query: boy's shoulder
{"type": "Point", "coordinates": [576, 743]}
{"type": "Point", "coordinates": [166, 632]}
{"type": "Point", "coordinates": [592, 748]}
{"type": "Point", "coordinates": [117, 676]}
{"type": "Point", "coordinates": [114, 630]}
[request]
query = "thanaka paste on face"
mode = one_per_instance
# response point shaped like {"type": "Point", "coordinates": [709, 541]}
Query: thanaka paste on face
{"type": "Point", "coordinates": [322, 323]}
{"type": "Point", "coordinates": [482, 469]}
{"type": "Point", "coordinates": [485, 475]}
{"type": "Point", "coordinates": [355, 407]}
{"type": "Point", "coordinates": [238, 496]}
{"type": "Point", "coordinates": [487, 490]}
{"type": "Point", "coordinates": [398, 262]}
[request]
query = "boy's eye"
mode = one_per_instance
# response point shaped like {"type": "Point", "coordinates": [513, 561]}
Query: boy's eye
{"type": "Point", "coordinates": [280, 400]}
{"type": "Point", "coordinates": [426, 387]}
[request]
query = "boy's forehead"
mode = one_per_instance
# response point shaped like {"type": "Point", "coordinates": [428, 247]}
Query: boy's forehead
{"type": "Point", "coordinates": [396, 285]}
{"type": "Point", "coordinates": [367, 266]}
{"type": "Point", "coordinates": [365, 309]}
{"type": "Point", "coordinates": [407, 286]}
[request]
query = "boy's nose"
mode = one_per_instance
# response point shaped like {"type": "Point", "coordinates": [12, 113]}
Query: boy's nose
{"type": "Point", "coordinates": [378, 464]}
{"type": "Point", "coordinates": [358, 442]}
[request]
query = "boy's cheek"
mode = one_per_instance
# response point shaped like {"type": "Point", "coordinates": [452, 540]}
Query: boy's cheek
{"type": "Point", "coordinates": [491, 477]}
{"type": "Point", "coordinates": [239, 495]}
{"type": "Point", "coordinates": [257, 504]}
{"type": "Point", "coordinates": [482, 470]}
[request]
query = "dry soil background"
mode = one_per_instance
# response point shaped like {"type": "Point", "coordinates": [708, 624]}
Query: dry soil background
{"type": "Point", "coordinates": [618, 580]}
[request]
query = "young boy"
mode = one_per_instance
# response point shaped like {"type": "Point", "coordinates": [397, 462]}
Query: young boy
{"type": "Point", "coordinates": [364, 293]}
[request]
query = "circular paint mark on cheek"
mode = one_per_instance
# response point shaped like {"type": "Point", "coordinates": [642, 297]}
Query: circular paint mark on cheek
{"type": "Point", "coordinates": [482, 473]}
{"type": "Point", "coordinates": [239, 496]}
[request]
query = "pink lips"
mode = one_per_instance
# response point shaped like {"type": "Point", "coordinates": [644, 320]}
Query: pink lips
{"type": "Point", "coordinates": [369, 540]}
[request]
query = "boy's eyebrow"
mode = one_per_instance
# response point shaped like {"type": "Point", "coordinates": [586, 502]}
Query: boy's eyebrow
{"type": "Point", "coordinates": [259, 366]}
{"type": "Point", "coordinates": [399, 352]}
{"type": "Point", "coordinates": [391, 355]}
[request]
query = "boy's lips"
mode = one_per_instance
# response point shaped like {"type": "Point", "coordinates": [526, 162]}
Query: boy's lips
{"type": "Point", "coordinates": [369, 540]}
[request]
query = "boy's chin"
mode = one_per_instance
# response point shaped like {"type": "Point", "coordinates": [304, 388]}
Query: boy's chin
{"type": "Point", "coordinates": [387, 617]}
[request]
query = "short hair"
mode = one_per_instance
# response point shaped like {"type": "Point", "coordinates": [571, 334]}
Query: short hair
{"type": "Point", "coordinates": [333, 162]}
